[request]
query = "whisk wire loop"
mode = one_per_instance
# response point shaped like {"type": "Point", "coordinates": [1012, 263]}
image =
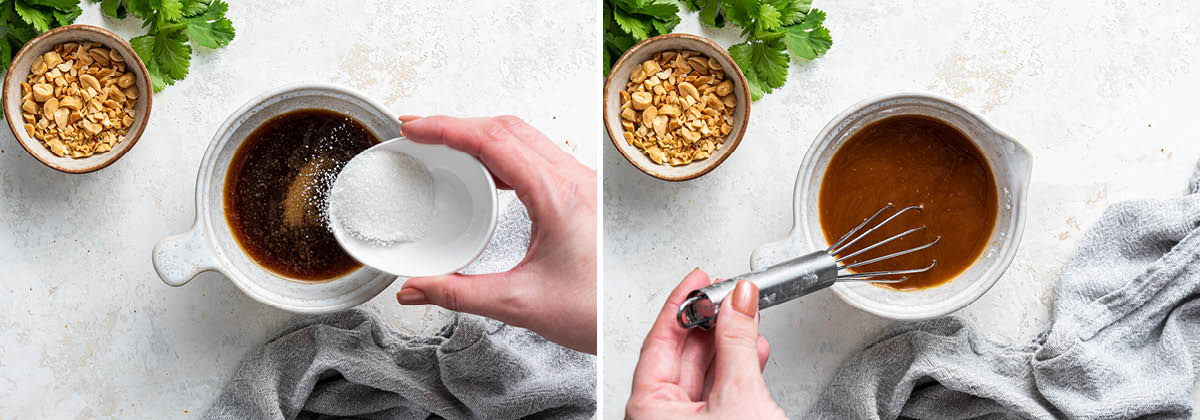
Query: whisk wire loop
{"type": "Point", "coordinates": [854, 235]}
{"type": "Point", "coordinates": [838, 250]}
{"type": "Point", "coordinates": [897, 236]}
{"type": "Point", "coordinates": [856, 228]}
{"type": "Point", "coordinates": [893, 255]}
{"type": "Point", "coordinates": [868, 276]}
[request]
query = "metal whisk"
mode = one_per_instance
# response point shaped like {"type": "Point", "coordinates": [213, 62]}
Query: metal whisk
{"type": "Point", "coordinates": [805, 274]}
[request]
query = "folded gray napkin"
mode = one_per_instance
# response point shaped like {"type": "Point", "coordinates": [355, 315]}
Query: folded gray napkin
{"type": "Point", "coordinates": [1123, 342]}
{"type": "Point", "coordinates": [352, 365]}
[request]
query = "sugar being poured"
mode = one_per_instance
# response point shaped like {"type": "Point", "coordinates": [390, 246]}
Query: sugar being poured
{"type": "Point", "coordinates": [383, 197]}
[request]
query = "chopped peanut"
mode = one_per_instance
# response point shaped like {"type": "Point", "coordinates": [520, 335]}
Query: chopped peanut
{"type": "Point", "coordinates": [677, 107]}
{"type": "Point", "coordinates": [78, 99]}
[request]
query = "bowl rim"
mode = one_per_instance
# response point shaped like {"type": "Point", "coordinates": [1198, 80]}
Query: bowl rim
{"type": "Point", "coordinates": [130, 139]}
{"type": "Point", "coordinates": [737, 135]}
{"type": "Point", "coordinates": [477, 166]}
{"type": "Point", "coordinates": [800, 224]}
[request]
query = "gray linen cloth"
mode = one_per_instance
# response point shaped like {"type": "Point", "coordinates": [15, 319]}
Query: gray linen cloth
{"type": "Point", "coordinates": [1123, 342]}
{"type": "Point", "coordinates": [351, 364]}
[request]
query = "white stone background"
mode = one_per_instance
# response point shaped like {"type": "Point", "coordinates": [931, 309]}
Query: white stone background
{"type": "Point", "coordinates": [87, 330]}
{"type": "Point", "coordinates": [1102, 92]}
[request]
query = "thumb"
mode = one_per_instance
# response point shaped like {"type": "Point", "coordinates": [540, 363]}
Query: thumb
{"type": "Point", "coordinates": [476, 294]}
{"type": "Point", "coordinates": [736, 359]}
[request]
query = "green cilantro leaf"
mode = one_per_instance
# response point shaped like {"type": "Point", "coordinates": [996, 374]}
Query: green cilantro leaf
{"type": "Point", "coordinates": [665, 26]}
{"type": "Point", "coordinates": [173, 54]}
{"type": "Point", "coordinates": [144, 46]}
{"type": "Point", "coordinates": [809, 39]}
{"type": "Point", "coordinates": [661, 9]}
{"type": "Point", "coordinates": [62, 5]}
{"type": "Point", "coordinates": [771, 63]}
{"type": "Point", "coordinates": [615, 44]}
{"type": "Point", "coordinates": [616, 40]}
{"type": "Point", "coordinates": [20, 34]}
{"type": "Point", "coordinates": [639, 17]}
{"type": "Point", "coordinates": [711, 14]}
{"type": "Point", "coordinates": [114, 9]}
{"type": "Point", "coordinates": [791, 11]}
{"type": "Point", "coordinates": [773, 31]}
{"type": "Point", "coordinates": [35, 16]}
{"type": "Point", "coordinates": [23, 20]}
{"type": "Point", "coordinates": [743, 56]}
{"type": "Point", "coordinates": [626, 22]}
{"type": "Point", "coordinates": [211, 29]}
{"type": "Point", "coordinates": [140, 8]}
{"type": "Point", "coordinates": [6, 53]}
{"type": "Point", "coordinates": [740, 12]}
{"type": "Point", "coordinates": [765, 66]}
{"type": "Point", "coordinates": [194, 7]}
{"type": "Point", "coordinates": [171, 25]}
{"type": "Point", "coordinates": [813, 20]}
{"type": "Point", "coordinates": [66, 18]}
{"type": "Point", "coordinates": [640, 29]}
{"type": "Point", "coordinates": [217, 7]}
{"type": "Point", "coordinates": [167, 57]}
{"type": "Point", "coordinates": [768, 17]}
{"type": "Point", "coordinates": [168, 10]}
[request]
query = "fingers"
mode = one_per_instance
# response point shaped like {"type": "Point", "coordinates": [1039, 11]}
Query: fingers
{"type": "Point", "coordinates": [662, 350]}
{"type": "Point", "coordinates": [534, 139]}
{"type": "Point", "coordinates": [737, 363]}
{"type": "Point", "coordinates": [480, 295]}
{"type": "Point", "coordinates": [505, 127]}
{"type": "Point", "coordinates": [407, 118]}
{"type": "Point", "coordinates": [764, 352]}
{"type": "Point", "coordinates": [508, 158]}
{"type": "Point", "coordinates": [697, 357]}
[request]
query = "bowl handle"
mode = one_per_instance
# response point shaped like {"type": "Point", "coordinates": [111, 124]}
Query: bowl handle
{"type": "Point", "coordinates": [179, 258]}
{"type": "Point", "coordinates": [772, 253]}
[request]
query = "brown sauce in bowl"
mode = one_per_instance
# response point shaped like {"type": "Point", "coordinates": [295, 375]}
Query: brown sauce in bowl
{"type": "Point", "coordinates": [909, 160]}
{"type": "Point", "coordinates": [277, 183]}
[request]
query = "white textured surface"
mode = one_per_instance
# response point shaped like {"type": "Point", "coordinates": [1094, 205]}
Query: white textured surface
{"type": "Point", "coordinates": [87, 330]}
{"type": "Point", "coordinates": [1103, 93]}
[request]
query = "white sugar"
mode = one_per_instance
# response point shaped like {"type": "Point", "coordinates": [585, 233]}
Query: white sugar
{"type": "Point", "coordinates": [383, 197]}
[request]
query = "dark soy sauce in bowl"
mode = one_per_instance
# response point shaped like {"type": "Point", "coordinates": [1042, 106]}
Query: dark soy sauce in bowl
{"type": "Point", "coordinates": [276, 187]}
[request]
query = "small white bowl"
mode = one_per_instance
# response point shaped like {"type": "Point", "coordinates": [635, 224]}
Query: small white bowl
{"type": "Point", "coordinates": [465, 212]}
{"type": "Point", "coordinates": [1011, 165]}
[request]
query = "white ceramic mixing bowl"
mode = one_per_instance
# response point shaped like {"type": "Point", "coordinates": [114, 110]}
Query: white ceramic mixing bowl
{"type": "Point", "coordinates": [209, 245]}
{"type": "Point", "coordinates": [1011, 165]}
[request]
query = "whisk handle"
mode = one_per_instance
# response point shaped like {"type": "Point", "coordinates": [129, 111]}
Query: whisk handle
{"type": "Point", "coordinates": [776, 284]}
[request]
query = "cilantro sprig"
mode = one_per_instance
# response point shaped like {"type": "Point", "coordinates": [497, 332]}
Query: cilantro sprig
{"type": "Point", "coordinates": [626, 22]}
{"type": "Point", "coordinates": [23, 20]}
{"type": "Point", "coordinates": [773, 29]}
{"type": "Point", "coordinates": [171, 24]}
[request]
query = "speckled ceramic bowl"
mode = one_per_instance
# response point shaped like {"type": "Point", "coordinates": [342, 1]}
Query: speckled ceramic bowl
{"type": "Point", "coordinates": [1010, 162]}
{"type": "Point", "coordinates": [20, 69]}
{"type": "Point", "coordinates": [210, 246]}
{"type": "Point", "coordinates": [619, 76]}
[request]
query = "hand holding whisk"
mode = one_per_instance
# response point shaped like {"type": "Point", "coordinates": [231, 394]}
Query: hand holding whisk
{"type": "Point", "coordinates": [807, 273]}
